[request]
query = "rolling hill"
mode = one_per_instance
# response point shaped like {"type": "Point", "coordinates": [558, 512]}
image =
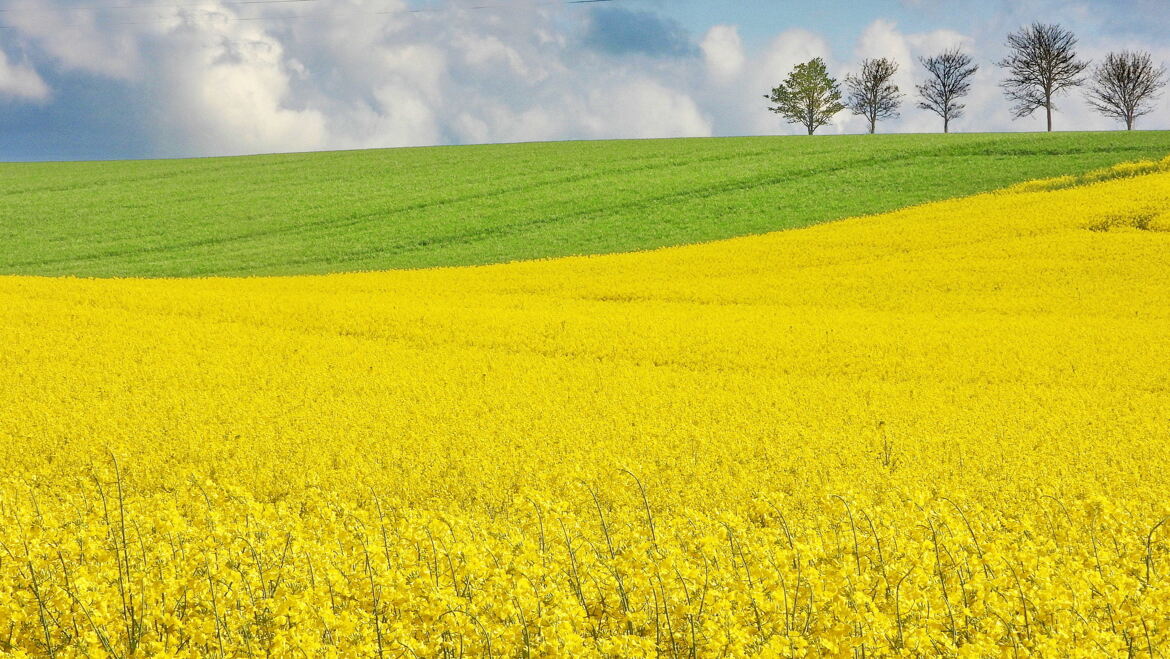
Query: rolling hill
{"type": "Point", "coordinates": [448, 206]}
{"type": "Point", "coordinates": [860, 427]}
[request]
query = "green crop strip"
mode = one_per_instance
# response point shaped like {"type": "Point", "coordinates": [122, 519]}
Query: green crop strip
{"type": "Point", "coordinates": [451, 206]}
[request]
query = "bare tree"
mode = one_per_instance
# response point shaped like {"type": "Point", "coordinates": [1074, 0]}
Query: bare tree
{"type": "Point", "coordinates": [873, 94]}
{"type": "Point", "coordinates": [808, 96]}
{"type": "Point", "coordinates": [1125, 85]}
{"type": "Point", "coordinates": [948, 80]}
{"type": "Point", "coordinates": [1043, 63]}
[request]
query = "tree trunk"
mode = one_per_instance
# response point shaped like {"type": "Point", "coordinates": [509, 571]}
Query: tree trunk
{"type": "Point", "coordinates": [1129, 123]}
{"type": "Point", "coordinates": [1049, 109]}
{"type": "Point", "coordinates": [872, 126]}
{"type": "Point", "coordinates": [946, 125]}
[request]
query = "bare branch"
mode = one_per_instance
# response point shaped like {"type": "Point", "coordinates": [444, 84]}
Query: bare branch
{"type": "Point", "coordinates": [1125, 85]}
{"type": "Point", "coordinates": [873, 94]}
{"type": "Point", "coordinates": [948, 80]}
{"type": "Point", "coordinates": [1042, 64]}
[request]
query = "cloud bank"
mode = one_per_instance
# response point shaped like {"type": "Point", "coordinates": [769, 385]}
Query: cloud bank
{"type": "Point", "coordinates": [220, 77]}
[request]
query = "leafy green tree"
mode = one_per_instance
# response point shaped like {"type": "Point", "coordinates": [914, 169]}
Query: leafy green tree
{"type": "Point", "coordinates": [808, 96]}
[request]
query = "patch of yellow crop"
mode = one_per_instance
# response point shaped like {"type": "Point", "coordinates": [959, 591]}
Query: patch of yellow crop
{"type": "Point", "coordinates": [938, 431]}
{"type": "Point", "coordinates": [1122, 170]}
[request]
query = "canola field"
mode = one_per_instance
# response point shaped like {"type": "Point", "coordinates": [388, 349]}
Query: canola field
{"type": "Point", "coordinates": [941, 431]}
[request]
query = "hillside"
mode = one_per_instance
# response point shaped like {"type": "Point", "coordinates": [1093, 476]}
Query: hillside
{"type": "Point", "coordinates": [411, 208]}
{"type": "Point", "coordinates": [860, 427]}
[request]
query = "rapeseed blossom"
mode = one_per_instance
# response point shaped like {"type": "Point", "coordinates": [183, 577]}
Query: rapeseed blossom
{"type": "Point", "coordinates": [940, 431]}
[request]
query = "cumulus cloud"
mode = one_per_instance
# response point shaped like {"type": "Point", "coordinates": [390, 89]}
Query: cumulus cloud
{"type": "Point", "coordinates": [480, 76]}
{"type": "Point", "coordinates": [223, 77]}
{"type": "Point", "coordinates": [645, 108]}
{"type": "Point", "coordinates": [723, 52]}
{"type": "Point", "coordinates": [21, 81]}
{"type": "Point", "coordinates": [82, 38]}
{"type": "Point", "coordinates": [882, 38]}
{"type": "Point", "coordinates": [737, 94]}
{"type": "Point", "coordinates": [231, 93]}
{"type": "Point", "coordinates": [229, 77]}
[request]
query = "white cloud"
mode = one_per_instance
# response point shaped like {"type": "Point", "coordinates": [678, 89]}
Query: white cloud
{"type": "Point", "coordinates": [82, 38]}
{"type": "Point", "coordinates": [482, 76]}
{"type": "Point", "coordinates": [645, 108]}
{"type": "Point", "coordinates": [790, 48]}
{"type": "Point", "coordinates": [21, 81]}
{"type": "Point", "coordinates": [1073, 110]}
{"type": "Point", "coordinates": [367, 73]}
{"type": "Point", "coordinates": [225, 87]}
{"type": "Point", "coordinates": [764, 70]}
{"type": "Point", "coordinates": [882, 38]}
{"type": "Point", "coordinates": [723, 51]}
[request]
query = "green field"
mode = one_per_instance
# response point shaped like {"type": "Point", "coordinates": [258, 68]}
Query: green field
{"type": "Point", "coordinates": [408, 208]}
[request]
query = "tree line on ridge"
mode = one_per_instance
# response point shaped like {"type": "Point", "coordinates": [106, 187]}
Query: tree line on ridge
{"type": "Point", "coordinates": [1042, 63]}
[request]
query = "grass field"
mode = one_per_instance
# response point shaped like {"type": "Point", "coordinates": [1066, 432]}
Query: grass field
{"type": "Point", "coordinates": [408, 208]}
{"type": "Point", "coordinates": [937, 432]}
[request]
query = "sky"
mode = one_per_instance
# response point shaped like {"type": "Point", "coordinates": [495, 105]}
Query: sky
{"type": "Point", "coordinates": [116, 79]}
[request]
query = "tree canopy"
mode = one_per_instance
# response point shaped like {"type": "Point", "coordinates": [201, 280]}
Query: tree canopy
{"type": "Point", "coordinates": [1125, 85]}
{"type": "Point", "coordinates": [872, 93]}
{"type": "Point", "coordinates": [808, 96]}
{"type": "Point", "coordinates": [1042, 64]}
{"type": "Point", "coordinates": [948, 80]}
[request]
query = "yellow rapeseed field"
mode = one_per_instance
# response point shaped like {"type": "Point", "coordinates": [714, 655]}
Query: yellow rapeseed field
{"type": "Point", "coordinates": [941, 431]}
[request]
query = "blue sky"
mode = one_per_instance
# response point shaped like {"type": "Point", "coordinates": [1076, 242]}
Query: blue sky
{"type": "Point", "coordinates": [842, 20]}
{"type": "Point", "coordinates": [759, 21]}
{"type": "Point", "coordinates": [97, 79]}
